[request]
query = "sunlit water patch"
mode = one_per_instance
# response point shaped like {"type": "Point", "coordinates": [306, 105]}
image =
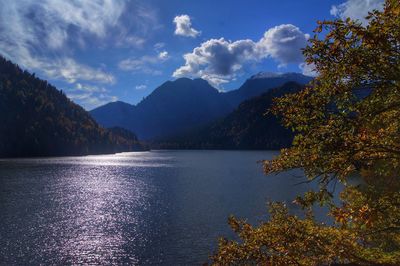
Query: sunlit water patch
{"type": "Point", "coordinates": [159, 207]}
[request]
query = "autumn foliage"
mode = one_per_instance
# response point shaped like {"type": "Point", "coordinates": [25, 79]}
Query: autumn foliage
{"type": "Point", "coordinates": [347, 127]}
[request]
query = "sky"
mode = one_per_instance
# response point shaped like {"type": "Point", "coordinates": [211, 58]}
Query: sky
{"type": "Point", "coordinates": [98, 51]}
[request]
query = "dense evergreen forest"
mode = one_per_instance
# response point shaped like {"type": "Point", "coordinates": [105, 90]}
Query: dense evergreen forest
{"type": "Point", "coordinates": [248, 127]}
{"type": "Point", "coordinates": [36, 119]}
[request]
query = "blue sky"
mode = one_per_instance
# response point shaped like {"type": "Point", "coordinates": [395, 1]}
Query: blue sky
{"type": "Point", "coordinates": [105, 50]}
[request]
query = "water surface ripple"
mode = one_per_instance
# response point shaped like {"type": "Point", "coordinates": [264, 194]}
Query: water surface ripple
{"type": "Point", "coordinates": [158, 207]}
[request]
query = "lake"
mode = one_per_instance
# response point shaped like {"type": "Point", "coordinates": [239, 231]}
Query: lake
{"type": "Point", "coordinates": [157, 207]}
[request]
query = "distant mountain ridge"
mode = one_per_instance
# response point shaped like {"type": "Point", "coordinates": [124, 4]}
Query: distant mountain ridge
{"type": "Point", "coordinates": [36, 119]}
{"type": "Point", "coordinates": [172, 107]}
{"type": "Point", "coordinates": [261, 83]}
{"type": "Point", "coordinates": [177, 106]}
{"type": "Point", "coordinates": [247, 127]}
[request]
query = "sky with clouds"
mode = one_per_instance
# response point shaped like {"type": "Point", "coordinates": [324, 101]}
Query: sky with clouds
{"type": "Point", "coordinates": [99, 51]}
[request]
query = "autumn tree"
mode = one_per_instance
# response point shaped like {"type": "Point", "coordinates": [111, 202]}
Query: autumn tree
{"type": "Point", "coordinates": [347, 125]}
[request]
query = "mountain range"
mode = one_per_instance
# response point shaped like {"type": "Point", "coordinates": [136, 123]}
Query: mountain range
{"type": "Point", "coordinates": [180, 105]}
{"type": "Point", "coordinates": [249, 127]}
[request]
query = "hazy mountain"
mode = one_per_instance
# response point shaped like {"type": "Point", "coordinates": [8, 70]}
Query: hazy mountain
{"type": "Point", "coordinates": [180, 105]}
{"type": "Point", "coordinates": [36, 119]}
{"type": "Point", "coordinates": [247, 127]}
{"type": "Point", "coordinates": [262, 82]}
{"type": "Point", "coordinates": [114, 114]}
{"type": "Point", "coordinates": [174, 106]}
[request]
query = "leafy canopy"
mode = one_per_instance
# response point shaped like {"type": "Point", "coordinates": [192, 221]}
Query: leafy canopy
{"type": "Point", "coordinates": [347, 126]}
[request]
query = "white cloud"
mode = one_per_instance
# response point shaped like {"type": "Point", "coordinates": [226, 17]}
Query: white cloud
{"type": "Point", "coordinates": [141, 87]}
{"type": "Point", "coordinates": [39, 35]}
{"type": "Point", "coordinates": [163, 55]}
{"type": "Point", "coordinates": [30, 22]}
{"type": "Point", "coordinates": [219, 60]}
{"type": "Point", "coordinates": [29, 29]}
{"type": "Point", "coordinates": [184, 26]}
{"type": "Point", "coordinates": [71, 71]}
{"type": "Point", "coordinates": [308, 69]}
{"type": "Point", "coordinates": [89, 88]}
{"type": "Point", "coordinates": [90, 96]}
{"type": "Point", "coordinates": [356, 9]}
{"type": "Point", "coordinates": [144, 64]}
{"type": "Point", "coordinates": [283, 43]}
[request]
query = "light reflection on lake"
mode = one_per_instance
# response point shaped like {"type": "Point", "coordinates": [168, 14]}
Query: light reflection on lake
{"type": "Point", "coordinates": [158, 207]}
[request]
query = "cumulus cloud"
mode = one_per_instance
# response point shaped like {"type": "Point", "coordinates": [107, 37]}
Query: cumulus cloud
{"type": "Point", "coordinates": [90, 96]}
{"type": "Point", "coordinates": [184, 27]}
{"type": "Point", "coordinates": [217, 57]}
{"type": "Point", "coordinates": [283, 43]}
{"type": "Point", "coordinates": [219, 60]}
{"type": "Point", "coordinates": [356, 9]}
{"type": "Point", "coordinates": [144, 64]}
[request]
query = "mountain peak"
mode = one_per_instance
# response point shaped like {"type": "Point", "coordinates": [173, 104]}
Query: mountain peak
{"type": "Point", "coordinates": [189, 80]}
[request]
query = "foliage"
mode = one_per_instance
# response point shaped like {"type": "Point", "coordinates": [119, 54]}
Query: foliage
{"type": "Point", "coordinates": [347, 125]}
{"type": "Point", "coordinates": [36, 119]}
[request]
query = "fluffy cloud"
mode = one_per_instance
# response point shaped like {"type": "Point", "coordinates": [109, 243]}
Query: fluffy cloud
{"type": "Point", "coordinates": [184, 27]}
{"type": "Point", "coordinates": [218, 60]}
{"type": "Point", "coordinates": [144, 64]}
{"type": "Point", "coordinates": [90, 96]}
{"type": "Point", "coordinates": [283, 43]}
{"type": "Point", "coordinates": [356, 9]}
{"type": "Point", "coordinates": [217, 57]}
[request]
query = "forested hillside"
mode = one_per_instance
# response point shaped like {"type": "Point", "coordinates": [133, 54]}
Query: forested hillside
{"type": "Point", "coordinates": [36, 119]}
{"type": "Point", "coordinates": [247, 127]}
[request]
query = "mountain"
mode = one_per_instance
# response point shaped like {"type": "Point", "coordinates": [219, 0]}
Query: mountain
{"type": "Point", "coordinates": [36, 119]}
{"type": "Point", "coordinates": [173, 107]}
{"type": "Point", "coordinates": [114, 114]}
{"type": "Point", "coordinates": [262, 82]}
{"type": "Point", "coordinates": [180, 105]}
{"type": "Point", "coordinates": [247, 127]}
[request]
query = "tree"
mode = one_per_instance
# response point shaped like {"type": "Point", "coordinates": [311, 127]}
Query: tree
{"type": "Point", "coordinates": [347, 125]}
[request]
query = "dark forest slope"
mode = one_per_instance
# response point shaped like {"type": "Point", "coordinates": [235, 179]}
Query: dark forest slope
{"type": "Point", "coordinates": [36, 119]}
{"type": "Point", "coordinates": [247, 127]}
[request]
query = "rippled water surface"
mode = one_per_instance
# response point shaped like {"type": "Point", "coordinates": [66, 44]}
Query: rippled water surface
{"type": "Point", "coordinates": [158, 207]}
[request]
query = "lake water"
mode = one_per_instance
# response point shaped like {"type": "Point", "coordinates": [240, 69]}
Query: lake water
{"type": "Point", "coordinates": [158, 207]}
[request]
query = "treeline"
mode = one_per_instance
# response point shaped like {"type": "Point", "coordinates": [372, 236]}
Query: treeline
{"type": "Point", "coordinates": [36, 119]}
